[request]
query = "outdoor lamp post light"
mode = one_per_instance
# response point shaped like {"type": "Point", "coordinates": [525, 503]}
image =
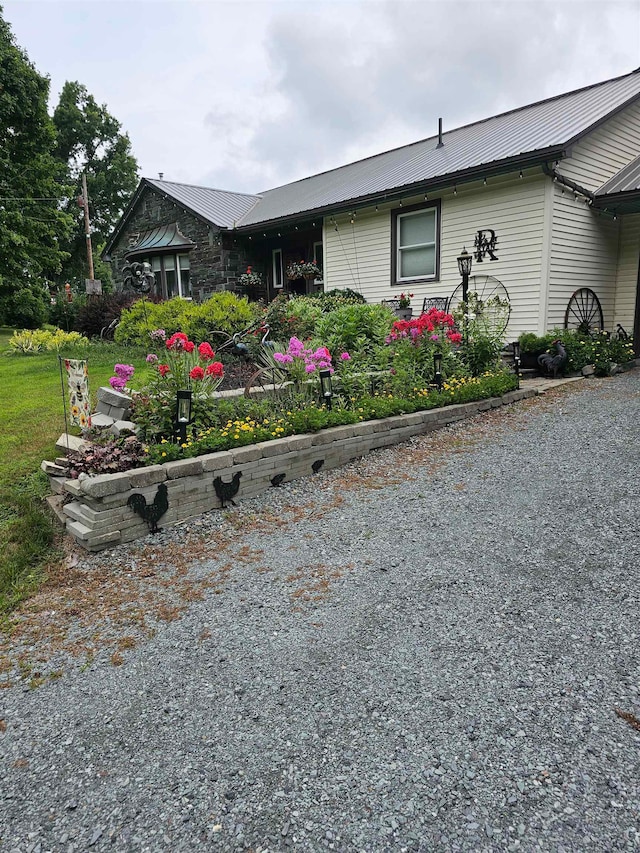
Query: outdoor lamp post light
{"type": "Point", "coordinates": [183, 413]}
{"type": "Point", "coordinates": [464, 266]}
{"type": "Point", "coordinates": [326, 388]}
{"type": "Point", "coordinates": [437, 370]}
{"type": "Point", "coordinates": [516, 359]}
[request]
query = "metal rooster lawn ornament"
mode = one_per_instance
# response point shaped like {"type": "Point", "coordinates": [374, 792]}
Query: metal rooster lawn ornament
{"type": "Point", "coordinates": [552, 364]}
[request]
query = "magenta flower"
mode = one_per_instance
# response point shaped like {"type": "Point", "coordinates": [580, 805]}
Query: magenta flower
{"type": "Point", "coordinates": [345, 356]}
{"type": "Point", "coordinates": [117, 383]}
{"type": "Point", "coordinates": [124, 371]}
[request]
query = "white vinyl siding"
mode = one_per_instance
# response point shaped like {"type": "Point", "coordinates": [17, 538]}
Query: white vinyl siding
{"type": "Point", "coordinates": [627, 275]}
{"type": "Point", "coordinates": [602, 153]}
{"type": "Point", "coordinates": [358, 255]}
{"type": "Point", "coordinates": [584, 253]}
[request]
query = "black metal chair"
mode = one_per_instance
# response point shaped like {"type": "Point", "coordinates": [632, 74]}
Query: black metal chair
{"type": "Point", "coordinates": [439, 302]}
{"type": "Point", "coordinates": [394, 304]}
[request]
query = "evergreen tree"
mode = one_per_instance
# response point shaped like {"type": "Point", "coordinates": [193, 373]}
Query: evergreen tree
{"type": "Point", "coordinates": [32, 225]}
{"type": "Point", "coordinates": [89, 140]}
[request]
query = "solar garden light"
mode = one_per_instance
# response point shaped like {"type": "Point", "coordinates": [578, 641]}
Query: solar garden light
{"type": "Point", "coordinates": [183, 413]}
{"type": "Point", "coordinates": [464, 266]}
{"type": "Point", "coordinates": [516, 359]}
{"type": "Point", "coordinates": [437, 370]}
{"type": "Point", "coordinates": [326, 388]}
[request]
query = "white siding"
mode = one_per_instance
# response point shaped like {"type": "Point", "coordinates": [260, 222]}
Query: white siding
{"type": "Point", "coordinates": [627, 277]}
{"type": "Point", "coordinates": [605, 151]}
{"type": "Point", "coordinates": [358, 254]}
{"type": "Point", "coordinates": [584, 253]}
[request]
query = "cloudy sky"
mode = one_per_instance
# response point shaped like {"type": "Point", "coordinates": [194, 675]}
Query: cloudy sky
{"type": "Point", "coordinates": [249, 95]}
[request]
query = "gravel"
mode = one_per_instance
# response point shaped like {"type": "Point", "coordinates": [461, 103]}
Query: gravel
{"type": "Point", "coordinates": [423, 650]}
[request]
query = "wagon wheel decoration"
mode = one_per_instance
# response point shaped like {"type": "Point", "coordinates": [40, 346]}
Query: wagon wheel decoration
{"type": "Point", "coordinates": [488, 298]}
{"type": "Point", "coordinates": [584, 312]}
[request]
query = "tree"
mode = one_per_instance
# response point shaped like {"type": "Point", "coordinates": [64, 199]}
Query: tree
{"type": "Point", "coordinates": [89, 140]}
{"type": "Point", "coordinates": [32, 225]}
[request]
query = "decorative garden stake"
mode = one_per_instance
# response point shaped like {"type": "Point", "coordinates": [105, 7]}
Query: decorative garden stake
{"type": "Point", "coordinates": [183, 414]}
{"type": "Point", "coordinates": [326, 388]}
{"type": "Point", "coordinates": [516, 360]}
{"type": "Point", "coordinates": [437, 370]}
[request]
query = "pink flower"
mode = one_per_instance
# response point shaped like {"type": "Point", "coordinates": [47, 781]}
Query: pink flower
{"type": "Point", "coordinates": [177, 341]}
{"type": "Point", "coordinates": [434, 337]}
{"type": "Point", "coordinates": [189, 346]}
{"type": "Point", "coordinates": [214, 369]}
{"type": "Point", "coordinates": [152, 358]}
{"type": "Point", "coordinates": [344, 356]}
{"type": "Point", "coordinates": [197, 373]}
{"type": "Point", "coordinates": [117, 383]}
{"type": "Point", "coordinates": [124, 371]}
{"type": "Point", "coordinates": [163, 369]}
{"type": "Point", "coordinates": [309, 368]}
{"type": "Point", "coordinates": [205, 351]}
{"type": "Point", "coordinates": [455, 337]}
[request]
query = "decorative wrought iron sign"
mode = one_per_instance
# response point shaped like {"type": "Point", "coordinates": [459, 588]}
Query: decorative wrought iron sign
{"type": "Point", "coordinates": [485, 244]}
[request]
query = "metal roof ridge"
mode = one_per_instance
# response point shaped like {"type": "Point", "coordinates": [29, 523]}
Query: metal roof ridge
{"type": "Point", "coordinates": [200, 187]}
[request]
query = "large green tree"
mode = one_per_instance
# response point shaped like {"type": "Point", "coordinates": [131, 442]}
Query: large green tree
{"type": "Point", "coordinates": [33, 228]}
{"type": "Point", "coordinates": [90, 140]}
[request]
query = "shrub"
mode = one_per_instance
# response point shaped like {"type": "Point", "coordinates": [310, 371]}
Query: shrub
{"type": "Point", "coordinates": [295, 317]}
{"type": "Point", "coordinates": [98, 312]}
{"type": "Point", "coordinates": [223, 311]}
{"type": "Point", "coordinates": [41, 340]}
{"type": "Point", "coordinates": [26, 307]}
{"type": "Point", "coordinates": [336, 298]}
{"type": "Point", "coordinates": [359, 329]}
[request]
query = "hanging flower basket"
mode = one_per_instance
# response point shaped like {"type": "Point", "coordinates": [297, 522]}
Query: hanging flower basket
{"type": "Point", "coordinates": [302, 269]}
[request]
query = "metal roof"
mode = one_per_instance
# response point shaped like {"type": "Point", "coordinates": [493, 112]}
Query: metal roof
{"type": "Point", "coordinates": [220, 207]}
{"type": "Point", "coordinates": [626, 180]}
{"type": "Point", "coordinates": [164, 238]}
{"type": "Point", "coordinates": [544, 128]}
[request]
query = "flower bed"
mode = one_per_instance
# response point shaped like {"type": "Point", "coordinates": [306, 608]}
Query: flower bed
{"type": "Point", "coordinates": [101, 513]}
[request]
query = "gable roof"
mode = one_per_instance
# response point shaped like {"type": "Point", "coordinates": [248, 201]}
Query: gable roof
{"type": "Point", "coordinates": [544, 130]}
{"type": "Point", "coordinates": [624, 181]}
{"type": "Point", "coordinates": [526, 136]}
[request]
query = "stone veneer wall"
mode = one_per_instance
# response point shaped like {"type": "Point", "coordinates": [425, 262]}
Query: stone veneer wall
{"type": "Point", "coordinates": [217, 259]}
{"type": "Point", "coordinates": [98, 516]}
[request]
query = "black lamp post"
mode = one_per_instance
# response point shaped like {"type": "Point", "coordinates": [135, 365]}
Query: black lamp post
{"type": "Point", "coordinates": [326, 388]}
{"type": "Point", "coordinates": [464, 267]}
{"type": "Point", "coordinates": [183, 413]}
{"type": "Point", "coordinates": [437, 370]}
{"type": "Point", "coordinates": [516, 359]}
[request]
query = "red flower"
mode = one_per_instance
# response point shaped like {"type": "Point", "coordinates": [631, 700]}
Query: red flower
{"type": "Point", "coordinates": [455, 337]}
{"type": "Point", "coordinates": [177, 341]}
{"type": "Point", "coordinates": [163, 369]}
{"type": "Point", "coordinates": [205, 351]}
{"type": "Point", "coordinates": [215, 369]}
{"type": "Point", "coordinates": [197, 373]}
{"type": "Point", "coordinates": [189, 346]}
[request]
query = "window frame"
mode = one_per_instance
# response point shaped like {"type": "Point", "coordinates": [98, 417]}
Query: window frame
{"type": "Point", "coordinates": [396, 216]}
{"type": "Point", "coordinates": [320, 279]}
{"type": "Point", "coordinates": [277, 258]}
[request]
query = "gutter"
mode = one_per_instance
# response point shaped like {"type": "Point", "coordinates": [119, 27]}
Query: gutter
{"type": "Point", "coordinates": [567, 182]}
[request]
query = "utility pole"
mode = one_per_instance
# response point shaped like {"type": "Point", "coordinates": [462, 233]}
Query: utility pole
{"type": "Point", "coordinates": [87, 227]}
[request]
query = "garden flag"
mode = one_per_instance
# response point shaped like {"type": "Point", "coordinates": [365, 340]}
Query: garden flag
{"type": "Point", "coordinates": [79, 400]}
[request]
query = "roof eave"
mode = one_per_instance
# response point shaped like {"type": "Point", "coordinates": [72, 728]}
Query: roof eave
{"type": "Point", "coordinates": [486, 170]}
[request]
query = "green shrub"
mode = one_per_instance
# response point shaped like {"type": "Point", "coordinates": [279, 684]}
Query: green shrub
{"type": "Point", "coordinates": [40, 340]}
{"type": "Point", "coordinates": [25, 308]}
{"type": "Point", "coordinates": [336, 298]}
{"type": "Point", "coordinates": [358, 329]}
{"type": "Point", "coordinates": [295, 317]}
{"type": "Point", "coordinates": [223, 311]}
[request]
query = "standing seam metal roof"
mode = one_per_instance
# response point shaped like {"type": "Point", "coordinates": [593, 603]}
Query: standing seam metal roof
{"type": "Point", "coordinates": [220, 207]}
{"type": "Point", "coordinates": [626, 180]}
{"type": "Point", "coordinates": [549, 124]}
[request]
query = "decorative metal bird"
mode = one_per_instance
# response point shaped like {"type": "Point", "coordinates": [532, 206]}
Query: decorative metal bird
{"type": "Point", "coordinates": [278, 479]}
{"type": "Point", "coordinates": [550, 363]}
{"type": "Point", "coordinates": [317, 465]}
{"type": "Point", "coordinates": [153, 512]}
{"type": "Point", "coordinates": [227, 491]}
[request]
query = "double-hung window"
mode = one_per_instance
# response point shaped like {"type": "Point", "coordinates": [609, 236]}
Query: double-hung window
{"type": "Point", "coordinates": [415, 243]}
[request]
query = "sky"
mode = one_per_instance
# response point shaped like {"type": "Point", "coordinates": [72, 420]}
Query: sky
{"type": "Point", "coordinates": [245, 96]}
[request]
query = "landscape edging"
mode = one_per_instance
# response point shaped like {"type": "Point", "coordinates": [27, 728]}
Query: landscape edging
{"type": "Point", "coordinates": [99, 516]}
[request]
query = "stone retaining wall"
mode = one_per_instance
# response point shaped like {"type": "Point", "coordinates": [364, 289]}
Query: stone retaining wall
{"type": "Point", "coordinates": [98, 517]}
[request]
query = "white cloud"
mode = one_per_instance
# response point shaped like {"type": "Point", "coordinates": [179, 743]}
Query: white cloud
{"type": "Point", "coordinates": [248, 95]}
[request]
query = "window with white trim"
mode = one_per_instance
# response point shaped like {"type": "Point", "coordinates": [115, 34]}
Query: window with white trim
{"type": "Point", "coordinates": [277, 268]}
{"type": "Point", "coordinates": [415, 244]}
{"type": "Point", "coordinates": [173, 275]}
{"type": "Point", "coordinates": [318, 257]}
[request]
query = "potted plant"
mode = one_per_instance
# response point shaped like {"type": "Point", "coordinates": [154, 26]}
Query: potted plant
{"type": "Point", "coordinates": [404, 310]}
{"type": "Point", "coordinates": [250, 279]}
{"type": "Point", "coordinates": [303, 269]}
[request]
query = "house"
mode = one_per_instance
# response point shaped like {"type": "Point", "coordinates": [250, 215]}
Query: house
{"type": "Point", "coordinates": [547, 197]}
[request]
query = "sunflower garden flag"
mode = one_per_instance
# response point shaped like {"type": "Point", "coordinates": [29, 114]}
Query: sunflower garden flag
{"type": "Point", "coordinates": [79, 400]}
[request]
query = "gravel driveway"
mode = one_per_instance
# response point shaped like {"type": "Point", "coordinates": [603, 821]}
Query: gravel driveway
{"type": "Point", "coordinates": [435, 648]}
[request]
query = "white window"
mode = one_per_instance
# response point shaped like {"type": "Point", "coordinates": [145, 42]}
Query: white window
{"type": "Point", "coordinates": [278, 271]}
{"type": "Point", "coordinates": [172, 274]}
{"type": "Point", "coordinates": [416, 244]}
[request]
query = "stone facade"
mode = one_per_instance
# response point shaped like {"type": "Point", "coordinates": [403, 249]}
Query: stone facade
{"type": "Point", "coordinates": [217, 259]}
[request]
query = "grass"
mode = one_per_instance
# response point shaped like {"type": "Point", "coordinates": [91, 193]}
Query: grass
{"type": "Point", "coordinates": [31, 419]}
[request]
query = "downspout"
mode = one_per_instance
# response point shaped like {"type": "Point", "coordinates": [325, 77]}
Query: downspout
{"type": "Point", "coordinates": [567, 182]}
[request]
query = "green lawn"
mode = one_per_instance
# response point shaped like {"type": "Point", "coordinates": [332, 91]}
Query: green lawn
{"type": "Point", "coordinates": [31, 419]}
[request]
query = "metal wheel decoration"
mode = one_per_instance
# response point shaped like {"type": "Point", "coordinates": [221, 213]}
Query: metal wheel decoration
{"type": "Point", "coordinates": [584, 312]}
{"type": "Point", "coordinates": [489, 297]}
{"type": "Point", "coordinates": [138, 276]}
